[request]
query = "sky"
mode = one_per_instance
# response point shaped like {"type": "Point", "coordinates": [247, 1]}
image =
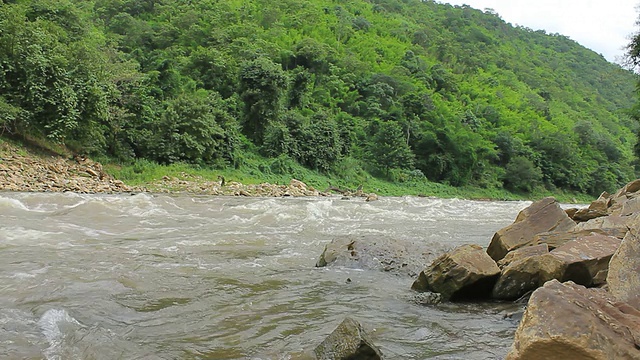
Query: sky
{"type": "Point", "coordinates": [603, 26]}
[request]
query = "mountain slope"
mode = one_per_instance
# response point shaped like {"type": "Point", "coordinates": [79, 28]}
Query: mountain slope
{"type": "Point", "coordinates": [405, 89]}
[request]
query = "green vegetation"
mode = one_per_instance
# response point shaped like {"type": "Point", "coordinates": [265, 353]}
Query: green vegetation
{"type": "Point", "coordinates": [406, 96]}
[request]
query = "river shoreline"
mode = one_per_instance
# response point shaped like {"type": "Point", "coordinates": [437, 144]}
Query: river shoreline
{"type": "Point", "coordinates": [21, 171]}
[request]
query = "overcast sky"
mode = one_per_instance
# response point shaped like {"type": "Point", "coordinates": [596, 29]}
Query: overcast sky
{"type": "Point", "coordinates": [601, 25]}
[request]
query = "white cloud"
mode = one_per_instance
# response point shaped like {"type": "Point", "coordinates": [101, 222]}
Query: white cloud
{"type": "Point", "coordinates": [603, 26]}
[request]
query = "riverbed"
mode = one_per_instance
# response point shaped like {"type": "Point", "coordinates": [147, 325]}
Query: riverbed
{"type": "Point", "coordinates": [209, 277]}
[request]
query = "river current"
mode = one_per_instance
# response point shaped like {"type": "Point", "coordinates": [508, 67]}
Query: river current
{"type": "Point", "coordinates": [181, 277]}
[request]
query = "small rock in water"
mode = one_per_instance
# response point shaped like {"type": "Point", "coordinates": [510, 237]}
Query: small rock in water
{"type": "Point", "coordinates": [427, 298]}
{"type": "Point", "coordinates": [348, 341]}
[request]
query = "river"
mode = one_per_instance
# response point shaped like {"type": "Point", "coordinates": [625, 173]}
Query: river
{"type": "Point", "coordinates": [181, 277]}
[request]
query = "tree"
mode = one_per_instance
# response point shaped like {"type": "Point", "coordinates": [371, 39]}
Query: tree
{"type": "Point", "coordinates": [388, 149]}
{"type": "Point", "coordinates": [262, 86]}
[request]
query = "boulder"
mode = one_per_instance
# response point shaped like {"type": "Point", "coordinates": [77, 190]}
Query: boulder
{"type": "Point", "coordinates": [402, 257]}
{"type": "Point", "coordinates": [626, 206]}
{"type": "Point", "coordinates": [526, 274]}
{"type": "Point", "coordinates": [630, 188]}
{"type": "Point", "coordinates": [556, 239]}
{"type": "Point", "coordinates": [522, 253]}
{"type": "Point", "coordinates": [465, 273]}
{"type": "Point", "coordinates": [598, 208]}
{"type": "Point", "coordinates": [541, 216]}
{"type": "Point", "coordinates": [348, 341]}
{"type": "Point", "coordinates": [612, 225]}
{"type": "Point", "coordinates": [569, 321]}
{"type": "Point", "coordinates": [582, 259]}
{"type": "Point", "coordinates": [624, 269]}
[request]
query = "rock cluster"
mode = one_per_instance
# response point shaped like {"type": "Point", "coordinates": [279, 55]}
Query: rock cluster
{"type": "Point", "coordinates": [582, 265]}
{"type": "Point", "coordinates": [28, 173]}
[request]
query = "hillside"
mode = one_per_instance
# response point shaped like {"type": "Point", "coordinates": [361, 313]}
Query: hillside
{"type": "Point", "coordinates": [404, 90]}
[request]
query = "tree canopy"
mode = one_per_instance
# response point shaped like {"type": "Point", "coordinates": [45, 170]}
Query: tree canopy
{"type": "Point", "coordinates": [451, 92]}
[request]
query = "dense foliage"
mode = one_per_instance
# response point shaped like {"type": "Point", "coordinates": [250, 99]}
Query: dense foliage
{"type": "Point", "coordinates": [404, 89]}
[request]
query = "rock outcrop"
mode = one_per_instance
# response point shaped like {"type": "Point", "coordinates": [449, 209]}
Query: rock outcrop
{"type": "Point", "coordinates": [542, 216]}
{"type": "Point", "coordinates": [465, 273]}
{"type": "Point", "coordinates": [569, 321]}
{"type": "Point", "coordinates": [348, 341]}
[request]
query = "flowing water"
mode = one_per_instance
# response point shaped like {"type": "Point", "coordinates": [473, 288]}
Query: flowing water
{"type": "Point", "coordinates": [180, 277]}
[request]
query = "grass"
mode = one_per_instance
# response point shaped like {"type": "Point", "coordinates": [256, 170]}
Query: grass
{"type": "Point", "coordinates": [259, 170]}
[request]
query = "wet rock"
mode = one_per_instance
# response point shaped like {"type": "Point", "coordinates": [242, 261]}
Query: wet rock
{"type": "Point", "coordinates": [465, 273]}
{"type": "Point", "coordinates": [371, 197]}
{"type": "Point", "coordinates": [569, 321]}
{"type": "Point", "coordinates": [542, 216]}
{"type": "Point", "coordinates": [348, 341]}
{"type": "Point", "coordinates": [400, 257]}
{"type": "Point", "coordinates": [427, 298]}
{"type": "Point", "coordinates": [624, 269]}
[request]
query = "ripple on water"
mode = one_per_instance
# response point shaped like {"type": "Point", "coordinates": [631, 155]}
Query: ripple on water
{"type": "Point", "coordinates": [188, 277]}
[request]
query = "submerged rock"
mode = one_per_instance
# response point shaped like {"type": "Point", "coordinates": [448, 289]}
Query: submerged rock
{"type": "Point", "coordinates": [465, 273]}
{"type": "Point", "coordinates": [427, 298]}
{"type": "Point", "coordinates": [402, 257]}
{"type": "Point", "coordinates": [542, 216]}
{"type": "Point", "coordinates": [569, 321]}
{"type": "Point", "coordinates": [348, 341]}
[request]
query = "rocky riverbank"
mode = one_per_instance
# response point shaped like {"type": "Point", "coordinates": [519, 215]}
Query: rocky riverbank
{"type": "Point", "coordinates": [22, 171]}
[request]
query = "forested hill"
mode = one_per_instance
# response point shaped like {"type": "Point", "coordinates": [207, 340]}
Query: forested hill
{"type": "Point", "coordinates": [402, 89]}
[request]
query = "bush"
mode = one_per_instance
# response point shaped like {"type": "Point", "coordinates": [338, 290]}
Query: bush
{"type": "Point", "coordinates": [521, 174]}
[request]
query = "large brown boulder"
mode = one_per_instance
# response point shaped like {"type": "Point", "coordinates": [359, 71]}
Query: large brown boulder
{"type": "Point", "coordinates": [542, 216]}
{"type": "Point", "coordinates": [624, 269]}
{"type": "Point", "coordinates": [569, 321]}
{"type": "Point", "coordinates": [556, 239]}
{"type": "Point", "coordinates": [598, 208]}
{"type": "Point", "coordinates": [612, 225]}
{"type": "Point", "coordinates": [583, 258]}
{"type": "Point", "coordinates": [348, 341]}
{"type": "Point", "coordinates": [626, 200]}
{"type": "Point", "coordinates": [465, 273]}
{"type": "Point", "coordinates": [526, 274]}
{"type": "Point", "coordinates": [523, 252]}
{"type": "Point", "coordinates": [402, 257]}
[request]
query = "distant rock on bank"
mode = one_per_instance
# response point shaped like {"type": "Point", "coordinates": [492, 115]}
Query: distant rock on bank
{"type": "Point", "coordinates": [19, 172]}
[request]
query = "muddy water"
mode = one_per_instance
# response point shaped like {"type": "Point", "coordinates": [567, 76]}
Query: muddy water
{"type": "Point", "coordinates": [161, 277]}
